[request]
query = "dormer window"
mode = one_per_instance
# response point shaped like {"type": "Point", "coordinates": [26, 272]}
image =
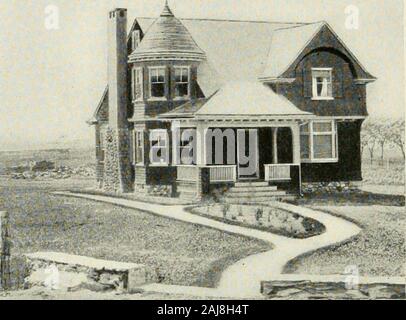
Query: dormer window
{"type": "Point", "coordinates": [182, 76]}
{"type": "Point", "coordinates": [322, 83]}
{"type": "Point", "coordinates": [157, 81]}
{"type": "Point", "coordinates": [136, 39]}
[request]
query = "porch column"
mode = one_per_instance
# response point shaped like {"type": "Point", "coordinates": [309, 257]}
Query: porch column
{"type": "Point", "coordinates": [201, 133]}
{"type": "Point", "coordinates": [296, 142]}
{"type": "Point", "coordinates": [274, 145]}
{"type": "Point", "coordinates": [175, 129]}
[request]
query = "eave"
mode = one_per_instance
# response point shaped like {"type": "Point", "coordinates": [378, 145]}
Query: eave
{"type": "Point", "coordinates": [276, 80]}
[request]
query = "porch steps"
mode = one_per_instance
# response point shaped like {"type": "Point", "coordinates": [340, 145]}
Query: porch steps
{"type": "Point", "coordinates": [251, 184]}
{"type": "Point", "coordinates": [239, 190]}
{"type": "Point", "coordinates": [255, 192]}
{"type": "Point", "coordinates": [186, 190]}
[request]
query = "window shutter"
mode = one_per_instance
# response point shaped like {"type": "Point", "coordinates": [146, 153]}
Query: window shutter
{"type": "Point", "coordinates": [338, 82]}
{"type": "Point", "coordinates": [133, 75]}
{"type": "Point", "coordinates": [307, 82]}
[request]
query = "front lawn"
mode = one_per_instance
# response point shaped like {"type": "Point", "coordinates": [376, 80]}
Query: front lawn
{"type": "Point", "coordinates": [182, 253]}
{"type": "Point", "coordinates": [380, 249]}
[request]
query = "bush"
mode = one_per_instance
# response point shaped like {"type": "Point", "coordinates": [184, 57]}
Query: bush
{"type": "Point", "coordinates": [259, 213]}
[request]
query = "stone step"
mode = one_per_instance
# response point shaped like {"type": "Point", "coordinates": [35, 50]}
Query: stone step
{"type": "Point", "coordinates": [256, 194]}
{"type": "Point", "coordinates": [251, 184]}
{"type": "Point", "coordinates": [252, 189]}
{"type": "Point", "coordinates": [260, 200]}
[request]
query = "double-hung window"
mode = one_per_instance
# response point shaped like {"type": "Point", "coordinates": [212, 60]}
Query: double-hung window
{"type": "Point", "coordinates": [318, 142]}
{"type": "Point", "coordinates": [322, 83]}
{"type": "Point", "coordinates": [182, 78]}
{"type": "Point", "coordinates": [157, 79]}
{"type": "Point", "coordinates": [159, 153]}
{"type": "Point", "coordinates": [137, 84]}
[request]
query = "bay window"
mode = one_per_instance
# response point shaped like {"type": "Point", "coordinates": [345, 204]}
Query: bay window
{"type": "Point", "coordinates": [159, 153]}
{"type": "Point", "coordinates": [318, 142]}
{"type": "Point", "coordinates": [157, 79]}
{"type": "Point", "coordinates": [182, 82]}
{"type": "Point", "coordinates": [322, 83]}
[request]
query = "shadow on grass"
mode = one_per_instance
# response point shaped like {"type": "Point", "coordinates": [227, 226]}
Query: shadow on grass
{"type": "Point", "coordinates": [351, 199]}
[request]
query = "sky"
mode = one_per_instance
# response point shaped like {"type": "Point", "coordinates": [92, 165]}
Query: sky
{"type": "Point", "coordinates": [51, 80]}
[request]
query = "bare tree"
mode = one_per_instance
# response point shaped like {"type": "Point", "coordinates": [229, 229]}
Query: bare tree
{"type": "Point", "coordinates": [397, 135]}
{"type": "Point", "coordinates": [369, 138]}
{"type": "Point", "coordinates": [382, 132]}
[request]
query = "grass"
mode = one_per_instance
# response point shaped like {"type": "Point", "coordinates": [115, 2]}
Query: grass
{"type": "Point", "coordinates": [380, 249]}
{"type": "Point", "coordinates": [182, 253]}
{"type": "Point", "coordinates": [393, 174]}
{"type": "Point", "coordinates": [360, 198]}
{"type": "Point", "coordinates": [164, 201]}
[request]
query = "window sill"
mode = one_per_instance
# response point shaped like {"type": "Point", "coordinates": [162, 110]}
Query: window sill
{"type": "Point", "coordinates": [181, 98]}
{"type": "Point", "coordinates": [158, 165]}
{"type": "Point", "coordinates": [139, 165]}
{"type": "Point", "coordinates": [322, 98]}
{"type": "Point", "coordinates": [320, 161]}
{"type": "Point", "coordinates": [157, 99]}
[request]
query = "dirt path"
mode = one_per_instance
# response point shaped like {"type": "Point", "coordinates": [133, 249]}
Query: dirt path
{"type": "Point", "coordinates": [242, 280]}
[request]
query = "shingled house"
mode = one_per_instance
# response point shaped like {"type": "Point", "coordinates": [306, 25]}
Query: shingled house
{"type": "Point", "coordinates": [293, 93]}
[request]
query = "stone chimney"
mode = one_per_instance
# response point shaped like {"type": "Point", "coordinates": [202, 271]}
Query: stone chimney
{"type": "Point", "coordinates": [117, 68]}
{"type": "Point", "coordinates": [117, 166]}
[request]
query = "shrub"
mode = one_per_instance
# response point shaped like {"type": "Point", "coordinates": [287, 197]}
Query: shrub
{"type": "Point", "coordinates": [259, 213]}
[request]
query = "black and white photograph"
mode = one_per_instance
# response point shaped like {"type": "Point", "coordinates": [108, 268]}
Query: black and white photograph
{"type": "Point", "coordinates": [183, 150]}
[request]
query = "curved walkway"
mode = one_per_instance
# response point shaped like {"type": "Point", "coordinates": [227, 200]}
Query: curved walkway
{"type": "Point", "coordinates": [242, 279]}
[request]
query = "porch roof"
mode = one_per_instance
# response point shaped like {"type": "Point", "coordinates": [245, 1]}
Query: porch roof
{"type": "Point", "coordinates": [240, 100]}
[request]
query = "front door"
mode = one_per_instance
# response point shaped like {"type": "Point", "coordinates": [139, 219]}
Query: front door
{"type": "Point", "coordinates": [247, 154]}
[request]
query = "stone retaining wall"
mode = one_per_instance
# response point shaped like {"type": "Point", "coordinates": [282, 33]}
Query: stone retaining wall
{"type": "Point", "coordinates": [333, 287]}
{"type": "Point", "coordinates": [71, 271]}
{"type": "Point", "coordinates": [330, 187]}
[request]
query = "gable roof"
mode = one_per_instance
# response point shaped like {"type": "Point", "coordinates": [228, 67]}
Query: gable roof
{"type": "Point", "coordinates": [243, 50]}
{"type": "Point", "coordinates": [237, 50]}
{"type": "Point", "coordinates": [288, 44]}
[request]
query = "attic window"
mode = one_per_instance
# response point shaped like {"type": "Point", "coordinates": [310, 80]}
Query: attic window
{"type": "Point", "coordinates": [135, 39]}
{"type": "Point", "coordinates": [322, 83]}
{"type": "Point", "coordinates": [182, 82]}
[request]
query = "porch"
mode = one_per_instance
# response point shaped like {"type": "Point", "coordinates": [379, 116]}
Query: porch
{"type": "Point", "coordinates": [251, 158]}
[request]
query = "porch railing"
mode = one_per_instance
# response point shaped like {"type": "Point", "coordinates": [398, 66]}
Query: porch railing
{"type": "Point", "coordinates": [187, 173]}
{"type": "Point", "coordinates": [223, 174]}
{"type": "Point", "coordinates": [278, 172]}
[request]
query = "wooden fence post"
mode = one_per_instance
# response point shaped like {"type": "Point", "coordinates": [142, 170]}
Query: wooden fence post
{"type": "Point", "coordinates": [4, 251]}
